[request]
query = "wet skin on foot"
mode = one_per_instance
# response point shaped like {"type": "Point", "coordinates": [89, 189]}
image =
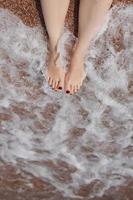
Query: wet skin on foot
{"type": "Point", "coordinates": [75, 75]}
{"type": "Point", "coordinates": [55, 72]}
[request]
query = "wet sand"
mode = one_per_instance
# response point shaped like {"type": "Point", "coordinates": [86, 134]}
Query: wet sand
{"type": "Point", "coordinates": [22, 185]}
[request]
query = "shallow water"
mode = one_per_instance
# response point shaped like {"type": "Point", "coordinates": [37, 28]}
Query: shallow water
{"type": "Point", "coordinates": [59, 146]}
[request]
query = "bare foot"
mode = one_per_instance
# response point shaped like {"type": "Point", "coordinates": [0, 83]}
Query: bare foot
{"type": "Point", "coordinates": [75, 75]}
{"type": "Point", "coordinates": [55, 72]}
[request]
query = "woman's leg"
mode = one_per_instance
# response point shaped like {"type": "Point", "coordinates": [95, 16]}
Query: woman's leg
{"type": "Point", "coordinates": [92, 14]}
{"type": "Point", "coordinates": [54, 12]}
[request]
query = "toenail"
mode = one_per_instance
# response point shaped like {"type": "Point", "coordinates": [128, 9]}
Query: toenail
{"type": "Point", "coordinates": [60, 88]}
{"type": "Point", "coordinates": [67, 91]}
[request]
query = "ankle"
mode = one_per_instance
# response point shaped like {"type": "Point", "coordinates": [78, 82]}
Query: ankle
{"type": "Point", "coordinates": [51, 47]}
{"type": "Point", "coordinates": [79, 52]}
{"type": "Point", "coordinates": [54, 41]}
{"type": "Point", "coordinates": [77, 62]}
{"type": "Point", "coordinates": [78, 56]}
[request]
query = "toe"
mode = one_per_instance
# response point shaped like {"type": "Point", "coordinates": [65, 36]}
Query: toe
{"type": "Point", "coordinates": [71, 89]}
{"type": "Point", "coordinates": [61, 84]}
{"type": "Point", "coordinates": [68, 89]}
{"type": "Point", "coordinates": [67, 86]}
{"type": "Point", "coordinates": [56, 84]}
{"type": "Point", "coordinates": [75, 89]}
{"type": "Point", "coordinates": [53, 84]}
{"type": "Point", "coordinates": [50, 81]}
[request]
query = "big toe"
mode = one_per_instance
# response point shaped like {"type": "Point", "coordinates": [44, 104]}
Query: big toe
{"type": "Point", "coordinates": [60, 85]}
{"type": "Point", "coordinates": [66, 85]}
{"type": "Point", "coordinates": [70, 88]}
{"type": "Point", "coordinates": [67, 88]}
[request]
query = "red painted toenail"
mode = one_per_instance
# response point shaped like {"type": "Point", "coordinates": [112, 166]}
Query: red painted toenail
{"type": "Point", "coordinates": [67, 91]}
{"type": "Point", "coordinates": [60, 88]}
